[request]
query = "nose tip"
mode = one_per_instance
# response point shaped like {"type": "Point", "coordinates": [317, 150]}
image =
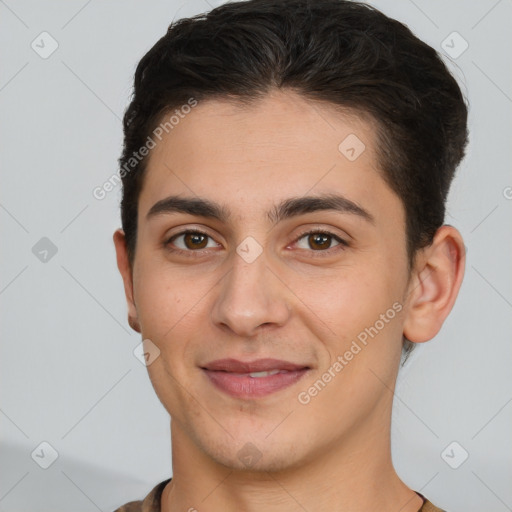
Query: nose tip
{"type": "Point", "coordinates": [250, 299]}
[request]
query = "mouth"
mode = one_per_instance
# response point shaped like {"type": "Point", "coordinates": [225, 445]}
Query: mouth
{"type": "Point", "coordinates": [254, 379]}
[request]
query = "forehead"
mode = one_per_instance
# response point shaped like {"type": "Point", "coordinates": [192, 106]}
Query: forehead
{"type": "Point", "coordinates": [283, 121]}
{"type": "Point", "coordinates": [251, 155]}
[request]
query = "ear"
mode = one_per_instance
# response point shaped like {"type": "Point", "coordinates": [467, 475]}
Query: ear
{"type": "Point", "coordinates": [435, 283]}
{"type": "Point", "coordinates": [123, 264]}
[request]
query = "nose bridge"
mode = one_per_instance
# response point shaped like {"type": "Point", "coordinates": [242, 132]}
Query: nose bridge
{"type": "Point", "coordinates": [250, 295]}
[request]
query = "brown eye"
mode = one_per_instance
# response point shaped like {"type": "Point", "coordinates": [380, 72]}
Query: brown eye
{"type": "Point", "coordinates": [195, 240]}
{"type": "Point", "coordinates": [190, 241]}
{"type": "Point", "coordinates": [319, 241]}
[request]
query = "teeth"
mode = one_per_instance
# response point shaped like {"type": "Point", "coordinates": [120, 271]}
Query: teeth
{"type": "Point", "coordinates": [263, 374]}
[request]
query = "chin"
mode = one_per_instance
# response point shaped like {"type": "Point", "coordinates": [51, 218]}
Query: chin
{"type": "Point", "coordinates": [254, 454]}
{"type": "Point", "coordinates": [269, 462]}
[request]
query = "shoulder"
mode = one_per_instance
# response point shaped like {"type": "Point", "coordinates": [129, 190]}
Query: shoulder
{"type": "Point", "coordinates": [132, 506]}
{"type": "Point", "coordinates": [428, 506]}
{"type": "Point", "coordinates": [151, 503]}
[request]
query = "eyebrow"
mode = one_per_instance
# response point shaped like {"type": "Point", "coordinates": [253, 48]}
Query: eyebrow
{"type": "Point", "coordinates": [288, 208]}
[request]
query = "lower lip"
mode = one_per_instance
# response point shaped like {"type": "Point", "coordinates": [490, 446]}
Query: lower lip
{"type": "Point", "coordinates": [244, 386]}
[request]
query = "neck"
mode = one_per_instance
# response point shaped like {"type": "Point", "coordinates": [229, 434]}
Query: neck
{"type": "Point", "coordinates": [354, 474]}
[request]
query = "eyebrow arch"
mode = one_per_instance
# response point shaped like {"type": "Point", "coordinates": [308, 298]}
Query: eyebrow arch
{"type": "Point", "coordinates": [189, 205]}
{"type": "Point", "coordinates": [307, 204]}
{"type": "Point", "coordinates": [288, 208]}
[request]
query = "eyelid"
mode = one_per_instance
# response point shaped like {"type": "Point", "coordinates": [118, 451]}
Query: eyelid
{"type": "Point", "coordinates": [342, 242]}
{"type": "Point", "coordinates": [167, 242]}
{"type": "Point", "coordinates": [203, 230]}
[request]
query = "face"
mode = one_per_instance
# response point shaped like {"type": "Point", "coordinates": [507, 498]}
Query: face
{"type": "Point", "coordinates": [241, 269]}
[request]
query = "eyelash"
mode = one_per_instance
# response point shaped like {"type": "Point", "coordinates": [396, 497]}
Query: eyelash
{"type": "Point", "coordinates": [190, 253]}
{"type": "Point", "coordinates": [319, 254]}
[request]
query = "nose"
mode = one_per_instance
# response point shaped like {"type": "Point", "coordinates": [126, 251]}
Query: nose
{"type": "Point", "coordinates": [251, 297]}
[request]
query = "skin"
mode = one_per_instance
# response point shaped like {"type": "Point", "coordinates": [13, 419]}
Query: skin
{"type": "Point", "coordinates": [298, 300]}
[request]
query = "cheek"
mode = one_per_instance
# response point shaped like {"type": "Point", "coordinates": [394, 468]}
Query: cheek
{"type": "Point", "coordinates": [164, 300]}
{"type": "Point", "coordinates": [165, 307]}
{"type": "Point", "coordinates": [344, 300]}
{"type": "Point", "coordinates": [350, 305]}
{"type": "Point", "coordinates": [172, 308]}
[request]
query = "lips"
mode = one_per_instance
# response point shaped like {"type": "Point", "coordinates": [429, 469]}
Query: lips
{"type": "Point", "coordinates": [260, 365]}
{"type": "Point", "coordinates": [253, 379]}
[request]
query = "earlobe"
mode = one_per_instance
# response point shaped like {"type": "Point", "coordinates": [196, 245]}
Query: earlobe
{"type": "Point", "coordinates": [134, 323]}
{"type": "Point", "coordinates": [125, 270]}
{"type": "Point", "coordinates": [434, 287]}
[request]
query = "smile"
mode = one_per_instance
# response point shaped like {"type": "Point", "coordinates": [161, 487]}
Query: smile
{"type": "Point", "coordinates": [256, 379]}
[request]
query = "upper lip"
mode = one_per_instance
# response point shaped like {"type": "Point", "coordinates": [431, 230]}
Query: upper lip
{"type": "Point", "coordinates": [259, 365]}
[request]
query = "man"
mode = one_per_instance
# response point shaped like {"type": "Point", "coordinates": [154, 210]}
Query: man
{"type": "Point", "coordinates": [285, 171]}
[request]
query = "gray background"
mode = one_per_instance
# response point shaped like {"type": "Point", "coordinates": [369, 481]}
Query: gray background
{"type": "Point", "coordinates": [68, 373]}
